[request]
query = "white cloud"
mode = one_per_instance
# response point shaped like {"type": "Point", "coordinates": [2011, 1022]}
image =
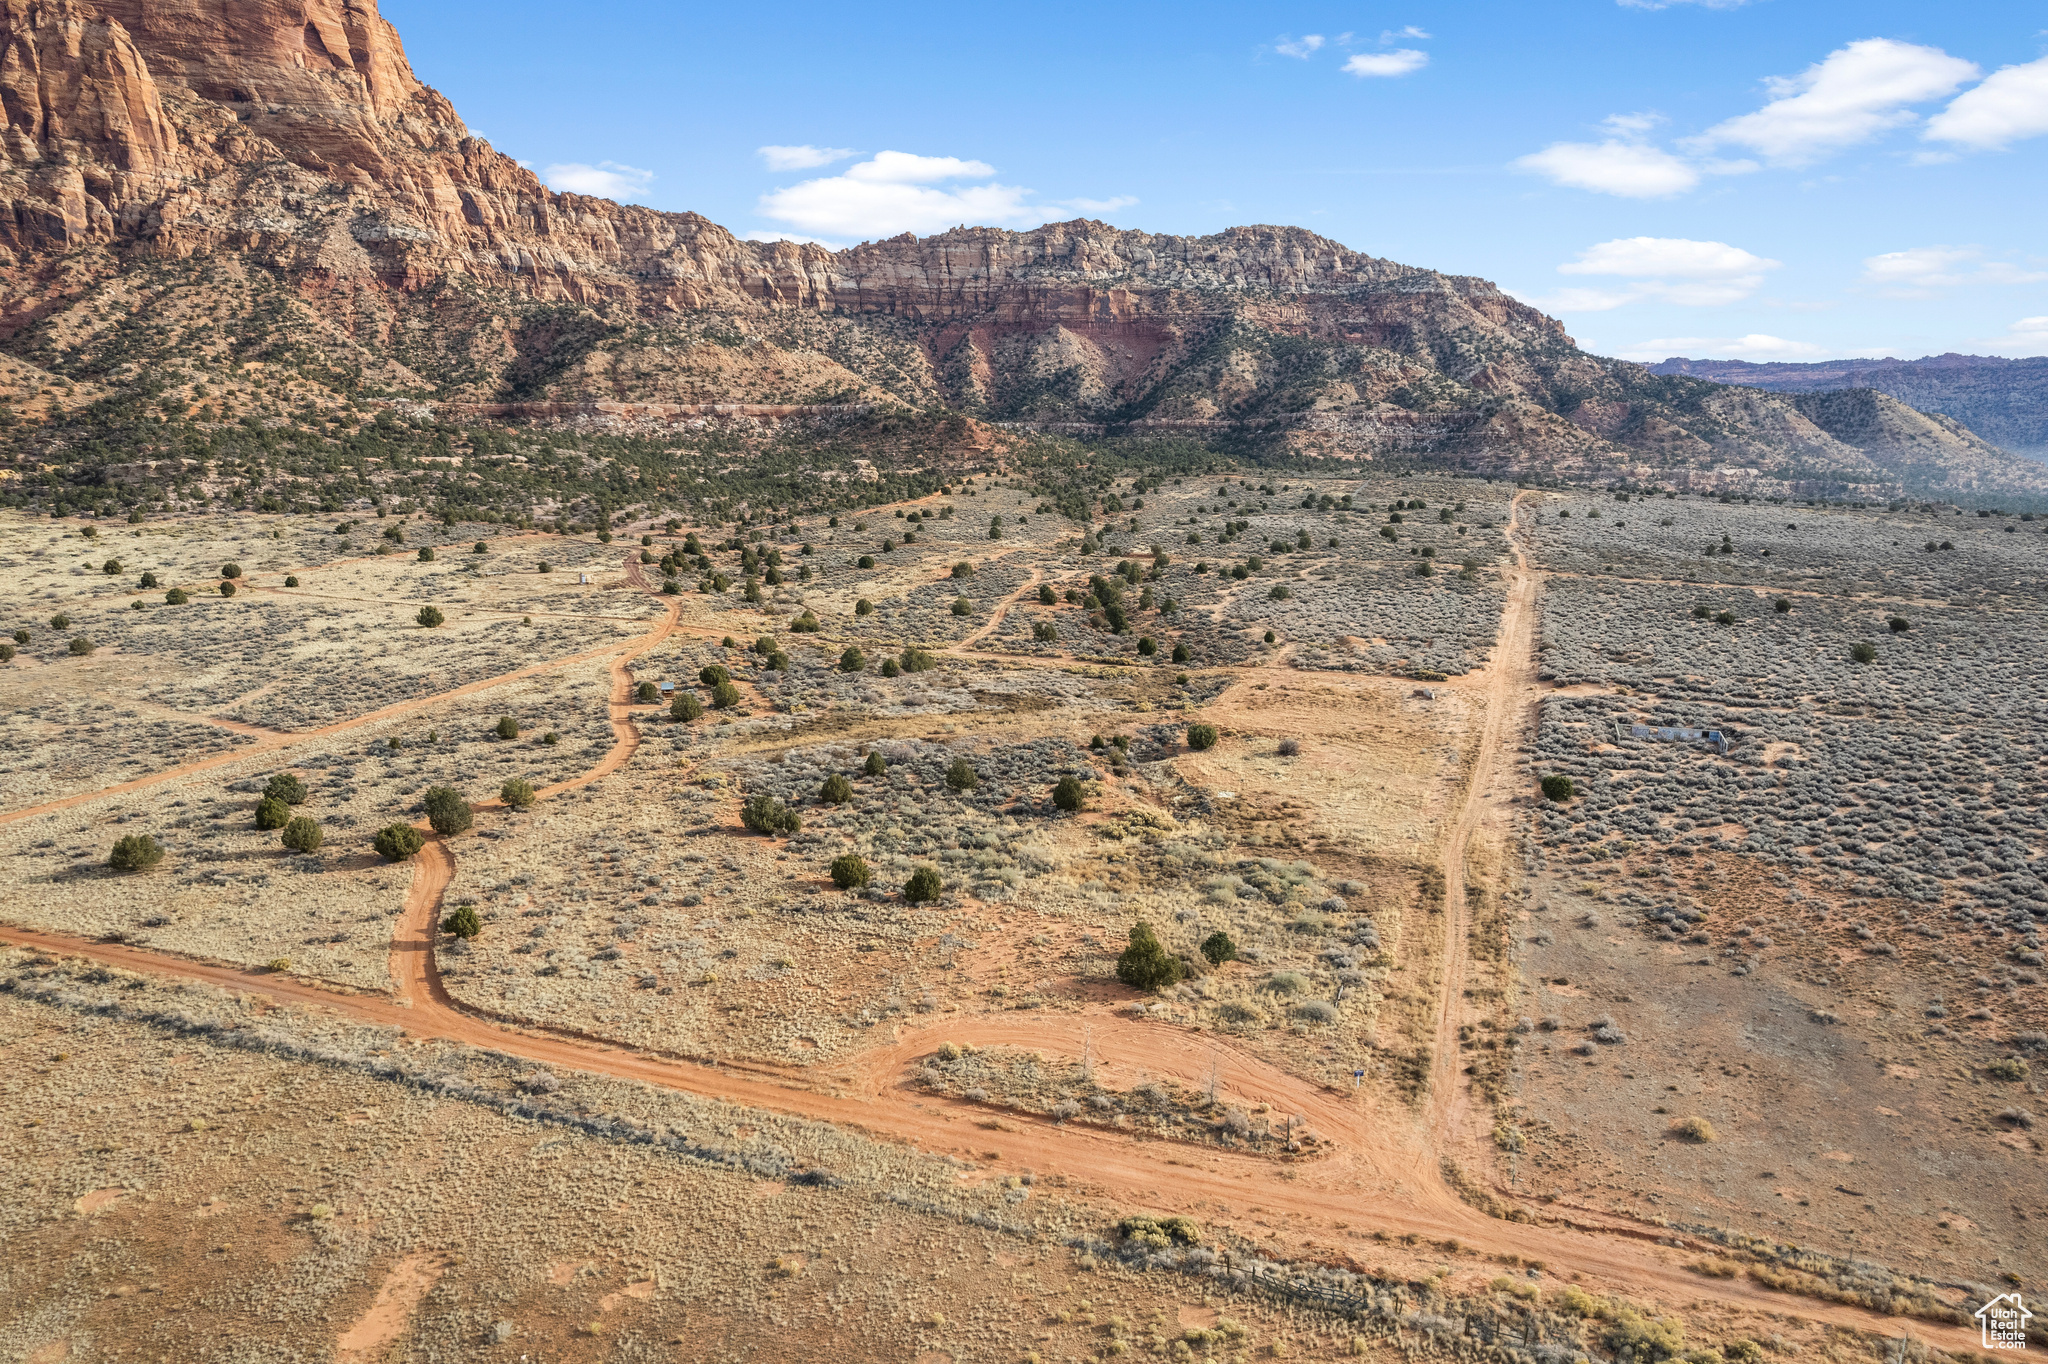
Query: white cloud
{"type": "Point", "coordinates": [1678, 270]}
{"type": "Point", "coordinates": [605, 180]}
{"type": "Point", "coordinates": [896, 192]}
{"type": "Point", "coordinates": [2011, 104]}
{"type": "Point", "coordinates": [1109, 205]}
{"type": "Point", "coordinates": [1389, 36]}
{"type": "Point", "coordinates": [801, 158]}
{"type": "Point", "coordinates": [1755, 346]}
{"type": "Point", "coordinates": [1922, 269]}
{"type": "Point", "coordinates": [1299, 47]}
{"type": "Point", "coordinates": [1851, 95]}
{"type": "Point", "coordinates": [1396, 63]}
{"type": "Point", "coordinates": [1633, 170]}
{"type": "Point", "coordinates": [2029, 335]}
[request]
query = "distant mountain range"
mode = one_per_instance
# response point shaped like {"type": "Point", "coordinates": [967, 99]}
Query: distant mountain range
{"type": "Point", "coordinates": [249, 213]}
{"type": "Point", "coordinates": [2004, 401]}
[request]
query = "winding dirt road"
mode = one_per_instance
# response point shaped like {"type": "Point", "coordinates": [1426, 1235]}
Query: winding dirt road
{"type": "Point", "coordinates": [1380, 1167]}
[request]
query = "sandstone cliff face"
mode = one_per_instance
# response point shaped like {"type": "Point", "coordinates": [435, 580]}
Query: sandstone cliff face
{"type": "Point", "coordinates": [191, 189]}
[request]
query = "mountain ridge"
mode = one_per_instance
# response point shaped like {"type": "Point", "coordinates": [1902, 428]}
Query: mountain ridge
{"type": "Point", "coordinates": [257, 209]}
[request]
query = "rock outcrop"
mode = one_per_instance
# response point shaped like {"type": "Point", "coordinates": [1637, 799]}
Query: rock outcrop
{"type": "Point", "coordinates": [196, 192]}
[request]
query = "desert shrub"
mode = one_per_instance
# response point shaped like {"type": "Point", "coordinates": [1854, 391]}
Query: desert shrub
{"type": "Point", "coordinates": [646, 691]}
{"type": "Point", "coordinates": [465, 923]}
{"type": "Point", "coordinates": [1066, 794]}
{"type": "Point", "coordinates": [1181, 654]}
{"type": "Point", "coordinates": [1863, 652]}
{"type": "Point", "coordinates": [962, 607]}
{"type": "Point", "coordinates": [177, 596]}
{"type": "Point", "coordinates": [1899, 625]}
{"type": "Point", "coordinates": [447, 811]}
{"type": "Point", "coordinates": [272, 813]}
{"type": "Point", "coordinates": [711, 674]}
{"type": "Point", "coordinates": [849, 871]}
{"type": "Point", "coordinates": [1316, 1011]}
{"type": "Point", "coordinates": [286, 786]}
{"type": "Point", "coordinates": [135, 852]}
{"type": "Point", "coordinates": [1218, 948]}
{"type": "Point", "coordinates": [430, 616]}
{"type": "Point", "coordinates": [1146, 965]}
{"type": "Point", "coordinates": [227, 589]}
{"type": "Point", "coordinates": [924, 885]}
{"type": "Point", "coordinates": [1046, 596]}
{"type": "Point", "coordinates": [79, 647]}
{"type": "Point", "coordinates": [853, 660]}
{"type": "Point", "coordinates": [961, 776]}
{"type": "Point", "coordinates": [837, 790]}
{"type": "Point", "coordinates": [1695, 1129]}
{"type": "Point", "coordinates": [1147, 645]}
{"type": "Point", "coordinates": [876, 765]}
{"type": "Point", "coordinates": [480, 548]}
{"type": "Point", "coordinates": [963, 569]}
{"type": "Point", "coordinates": [426, 554]}
{"type": "Point", "coordinates": [1724, 618]}
{"type": "Point", "coordinates": [916, 660]}
{"type": "Point", "coordinates": [517, 792]}
{"type": "Point", "coordinates": [507, 727]}
{"type": "Point", "coordinates": [1290, 747]}
{"type": "Point", "coordinates": [867, 561]}
{"type": "Point", "coordinates": [230, 570]}
{"type": "Point", "coordinates": [1647, 1339]}
{"type": "Point", "coordinates": [112, 568]}
{"type": "Point", "coordinates": [890, 667]}
{"type": "Point", "coordinates": [544, 567]}
{"type": "Point", "coordinates": [764, 814]}
{"type": "Point", "coordinates": [302, 834]}
{"type": "Point", "coordinates": [60, 621]}
{"type": "Point", "coordinates": [396, 842]}
{"type": "Point", "coordinates": [863, 607]}
{"type": "Point", "coordinates": [551, 738]}
{"type": "Point", "coordinates": [1279, 592]}
{"type": "Point", "coordinates": [725, 696]}
{"type": "Point", "coordinates": [1201, 738]}
{"type": "Point", "coordinates": [2008, 1068]}
{"type": "Point", "coordinates": [291, 580]}
{"type": "Point", "coordinates": [1286, 983]}
{"type": "Point", "coordinates": [685, 707]}
{"type": "Point", "coordinates": [1558, 787]}
{"type": "Point", "coordinates": [1782, 606]}
{"type": "Point", "coordinates": [6, 652]}
{"type": "Point", "coordinates": [806, 624]}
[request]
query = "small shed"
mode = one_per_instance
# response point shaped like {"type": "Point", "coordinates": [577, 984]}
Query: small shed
{"type": "Point", "coordinates": [668, 689]}
{"type": "Point", "coordinates": [1674, 734]}
{"type": "Point", "coordinates": [583, 578]}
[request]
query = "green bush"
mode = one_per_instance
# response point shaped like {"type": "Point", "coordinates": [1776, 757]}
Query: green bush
{"type": "Point", "coordinates": [1145, 964]}
{"type": "Point", "coordinates": [867, 561]}
{"type": "Point", "coordinates": [853, 660]}
{"type": "Point", "coordinates": [876, 765]}
{"type": "Point", "coordinates": [430, 616]}
{"type": "Point", "coordinates": [6, 653]}
{"type": "Point", "coordinates": [177, 596]}
{"type": "Point", "coordinates": [396, 842]}
{"type": "Point", "coordinates": [923, 886]}
{"type": "Point", "coordinates": [1558, 787]}
{"type": "Point", "coordinates": [962, 607]}
{"type": "Point", "coordinates": [227, 589]}
{"type": "Point", "coordinates": [1899, 625]}
{"type": "Point", "coordinates": [291, 580]}
{"type": "Point", "coordinates": [1147, 645]}
{"type": "Point", "coordinates": [849, 871]}
{"type": "Point", "coordinates": [272, 813]}
{"type": "Point", "coordinates": [1201, 738]}
{"type": "Point", "coordinates": [725, 695]}
{"type": "Point", "coordinates": [916, 660]}
{"type": "Point", "coordinates": [1863, 652]}
{"type": "Point", "coordinates": [1181, 654]}
{"type": "Point", "coordinates": [807, 623]}
{"type": "Point", "coordinates": [1046, 596]}
{"type": "Point", "coordinates": [1782, 606]}
{"type": "Point", "coordinates": [2007, 1068]}
{"type": "Point", "coordinates": [646, 691]}
{"type": "Point", "coordinates": [1218, 948]}
{"type": "Point", "coordinates": [230, 570]}
{"type": "Point", "coordinates": [465, 923]}
{"type": "Point", "coordinates": [891, 668]}
{"type": "Point", "coordinates": [21, 636]}
{"type": "Point", "coordinates": [149, 580]}
{"type": "Point", "coordinates": [1279, 592]}
{"type": "Point", "coordinates": [60, 621]}
{"type": "Point", "coordinates": [447, 811]}
{"type": "Point", "coordinates": [426, 554]}
{"type": "Point", "coordinates": [79, 646]}
{"type": "Point", "coordinates": [135, 852]}
{"type": "Point", "coordinates": [863, 607]}
{"type": "Point", "coordinates": [481, 548]}
{"type": "Point", "coordinates": [766, 815]}
{"type": "Point", "coordinates": [286, 786]}
{"type": "Point", "coordinates": [837, 790]}
{"type": "Point", "coordinates": [517, 793]}
{"type": "Point", "coordinates": [1066, 794]}
{"type": "Point", "coordinates": [963, 569]}
{"type": "Point", "coordinates": [686, 707]}
{"type": "Point", "coordinates": [507, 727]}
{"type": "Point", "coordinates": [112, 568]}
{"type": "Point", "coordinates": [961, 776]}
{"type": "Point", "coordinates": [302, 834]}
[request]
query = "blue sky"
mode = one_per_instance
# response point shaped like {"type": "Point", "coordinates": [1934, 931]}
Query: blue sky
{"type": "Point", "coordinates": [1778, 179]}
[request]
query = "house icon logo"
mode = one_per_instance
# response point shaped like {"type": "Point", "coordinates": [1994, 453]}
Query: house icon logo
{"type": "Point", "coordinates": [2004, 1321]}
